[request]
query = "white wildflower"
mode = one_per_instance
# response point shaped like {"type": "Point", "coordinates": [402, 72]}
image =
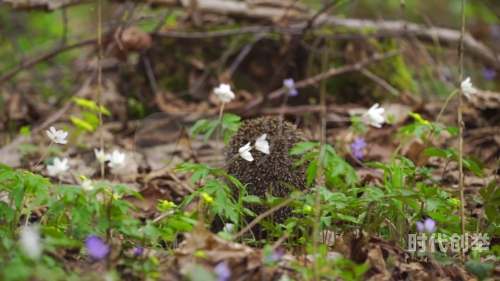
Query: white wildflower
{"type": "Point", "coordinates": [100, 155]}
{"type": "Point", "coordinates": [29, 240]}
{"type": "Point", "coordinates": [87, 185]}
{"type": "Point", "coordinates": [245, 152]}
{"type": "Point", "coordinates": [467, 88]}
{"type": "Point", "coordinates": [229, 227]}
{"type": "Point", "coordinates": [374, 116]}
{"type": "Point", "coordinates": [116, 160]}
{"type": "Point", "coordinates": [224, 92]}
{"type": "Point", "coordinates": [262, 145]}
{"type": "Point", "coordinates": [57, 136]}
{"type": "Point", "coordinates": [58, 168]}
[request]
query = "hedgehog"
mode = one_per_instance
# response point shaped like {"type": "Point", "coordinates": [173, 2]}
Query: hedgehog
{"type": "Point", "coordinates": [267, 171]}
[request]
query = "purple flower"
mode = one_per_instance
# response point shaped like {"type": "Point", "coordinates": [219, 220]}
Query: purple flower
{"type": "Point", "coordinates": [138, 251]}
{"type": "Point", "coordinates": [275, 255]}
{"type": "Point", "coordinates": [358, 144]}
{"type": "Point", "coordinates": [429, 225]}
{"type": "Point", "coordinates": [489, 73]}
{"type": "Point", "coordinates": [96, 247]}
{"type": "Point", "coordinates": [222, 271]}
{"type": "Point", "coordinates": [358, 154]}
{"type": "Point", "coordinates": [289, 86]}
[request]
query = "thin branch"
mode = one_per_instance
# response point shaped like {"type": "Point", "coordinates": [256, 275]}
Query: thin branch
{"type": "Point", "coordinates": [49, 55]}
{"type": "Point", "coordinates": [242, 55]}
{"type": "Point", "coordinates": [460, 129]}
{"type": "Point", "coordinates": [380, 81]}
{"type": "Point", "coordinates": [316, 78]}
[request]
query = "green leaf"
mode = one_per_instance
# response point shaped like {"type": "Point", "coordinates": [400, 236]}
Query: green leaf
{"type": "Point", "coordinates": [252, 199]}
{"type": "Point", "coordinates": [302, 147]}
{"type": "Point", "coordinates": [438, 216]}
{"type": "Point", "coordinates": [433, 151]}
{"type": "Point", "coordinates": [210, 129]}
{"type": "Point", "coordinates": [82, 124]}
{"type": "Point", "coordinates": [311, 172]}
{"type": "Point", "coordinates": [5, 167]}
{"type": "Point", "coordinates": [478, 162]}
{"type": "Point", "coordinates": [491, 213]}
{"type": "Point", "coordinates": [4, 175]}
{"type": "Point", "coordinates": [452, 130]}
{"type": "Point", "coordinates": [230, 122]}
{"type": "Point", "coordinates": [434, 203]}
{"type": "Point", "coordinates": [480, 269]}
{"type": "Point", "coordinates": [198, 127]}
{"type": "Point", "coordinates": [91, 118]}
{"type": "Point", "coordinates": [18, 195]}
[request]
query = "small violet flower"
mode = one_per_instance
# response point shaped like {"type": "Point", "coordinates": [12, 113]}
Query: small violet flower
{"type": "Point", "coordinates": [138, 251]}
{"type": "Point", "coordinates": [222, 271]}
{"type": "Point", "coordinates": [100, 155]}
{"type": "Point", "coordinates": [224, 92]}
{"type": "Point", "coordinates": [116, 160]}
{"type": "Point", "coordinates": [429, 225]}
{"type": "Point", "coordinates": [262, 145]}
{"type": "Point", "coordinates": [97, 248]}
{"type": "Point", "coordinates": [29, 240]}
{"type": "Point", "coordinates": [58, 167]}
{"type": "Point", "coordinates": [374, 116]}
{"type": "Point", "coordinates": [245, 152]}
{"type": "Point", "coordinates": [467, 88]}
{"type": "Point", "coordinates": [57, 136]}
{"type": "Point", "coordinates": [357, 146]}
{"type": "Point", "coordinates": [289, 86]}
{"type": "Point", "coordinates": [275, 255]}
{"type": "Point", "coordinates": [489, 73]}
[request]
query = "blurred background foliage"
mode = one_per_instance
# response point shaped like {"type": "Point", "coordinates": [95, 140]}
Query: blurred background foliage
{"type": "Point", "coordinates": [25, 35]}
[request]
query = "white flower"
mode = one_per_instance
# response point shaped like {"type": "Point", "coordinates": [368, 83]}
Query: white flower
{"type": "Point", "coordinates": [224, 92]}
{"type": "Point", "coordinates": [87, 185]}
{"type": "Point", "coordinates": [467, 88]}
{"type": "Point", "coordinates": [116, 160]}
{"type": "Point", "coordinates": [29, 240]}
{"type": "Point", "coordinates": [374, 116]}
{"type": "Point", "coordinates": [58, 168]}
{"type": "Point", "coordinates": [245, 152]}
{"type": "Point", "coordinates": [99, 154]}
{"type": "Point", "coordinates": [262, 145]}
{"type": "Point", "coordinates": [57, 136]}
{"type": "Point", "coordinates": [229, 227]}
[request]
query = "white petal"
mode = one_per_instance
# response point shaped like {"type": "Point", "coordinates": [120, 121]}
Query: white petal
{"type": "Point", "coordinates": [245, 148]}
{"type": "Point", "coordinates": [51, 136]}
{"type": "Point", "coordinates": [29, 241]}
{"type": "Point", "coordinates": [51, 170]}
{"type": "Point", "coordinates": [373, 107]}
{"type": "Point", "coordinates": [247, 156]}
{"type": "Point", "coordinates": [53, 130]}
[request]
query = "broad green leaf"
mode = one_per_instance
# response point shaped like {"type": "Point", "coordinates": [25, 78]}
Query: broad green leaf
{"type": "Point", "coordinates": [302, 147]}
{"type": "Point", "coordinates": [433, 151]}
{"type": "Point", "coordinates": [82, 124]}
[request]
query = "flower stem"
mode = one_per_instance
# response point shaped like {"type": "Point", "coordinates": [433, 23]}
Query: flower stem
{"type": "Point", "coordinates": [445, 104]}
{"type": "Point", "coordinates": [43, 156]}
{"type": "Point", "coordinates": [234, 158]}
{"type": "Point", "coordinates": [218, 131]}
